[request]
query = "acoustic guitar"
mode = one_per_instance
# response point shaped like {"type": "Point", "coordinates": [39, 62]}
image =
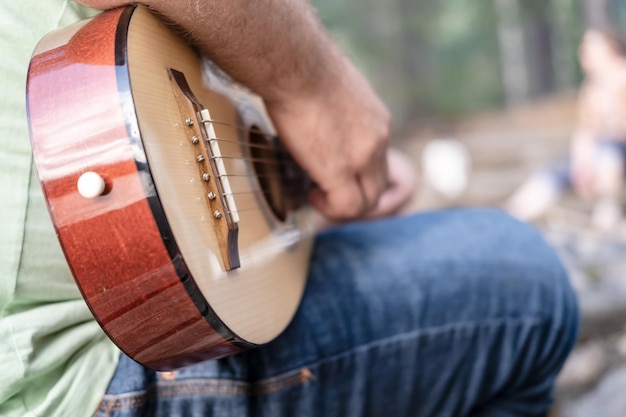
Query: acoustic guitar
{"type": "Point", "coordinates": [182, 218]}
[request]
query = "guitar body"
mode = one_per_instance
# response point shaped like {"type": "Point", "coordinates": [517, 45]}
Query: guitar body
{"type": "Point", "coordinates": [173, 201]}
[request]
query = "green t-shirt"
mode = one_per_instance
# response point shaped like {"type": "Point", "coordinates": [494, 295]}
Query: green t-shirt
{"type": "Point", "coordinates": [54, 358]}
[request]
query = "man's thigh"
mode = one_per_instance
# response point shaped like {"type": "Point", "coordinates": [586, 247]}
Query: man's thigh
{"type": "Point", "coordinates": [440, 314]}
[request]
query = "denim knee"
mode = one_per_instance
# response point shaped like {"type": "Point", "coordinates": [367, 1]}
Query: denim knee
{"type": "Point", "coordinates": [505, 262]}
{"type": "Point", "coordinates": [550, 294]}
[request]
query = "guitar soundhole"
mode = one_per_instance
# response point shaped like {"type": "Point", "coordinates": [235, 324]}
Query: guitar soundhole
{"type": "Point", "coordinates": [283, 183]}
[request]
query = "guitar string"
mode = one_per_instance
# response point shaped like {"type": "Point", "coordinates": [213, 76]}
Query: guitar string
{"type": "Point", "coordinates": [246, 142]}
{"type": "Point", "coordinates": [266, 161]}
{"type": "Point", "coordinates": [281, 154]}
{"type": "Point", "coordinates": [239, 127]}
{"type": "Point", "coordinates": [294, 179]}
{"type": "Point", "coordinates": [296, 192]}
{"type": "Point", "coordinates": [293, 186]}
{"type": "Point", "coordinates": [260, 190]}
{"type": "Point", "coordinates": [277, 162]}
{"type": "Point", "coordinates": [293, 189]}
{"type": "Point", "coordinates": [269, 176]}
{"type": "Point", "coordinates": [268, 147]}
{"type": "Point", "coordinates": [244, 210]}
{"type": "Point", "coordinates": [278, 151]}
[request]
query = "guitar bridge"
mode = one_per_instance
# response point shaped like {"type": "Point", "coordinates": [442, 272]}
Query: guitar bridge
{"type": "Point", "coordinates": [211, 169]}
{"type": "Point", "coordinates": [218, 164]}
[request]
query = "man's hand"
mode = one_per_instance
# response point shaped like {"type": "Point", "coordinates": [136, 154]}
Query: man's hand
{"type": "Point", "coordinates": [338, 135]}
{"type": "Point", "coordinates": [326, 113]}
{"type": "Point", "coordinates": [401, 187]}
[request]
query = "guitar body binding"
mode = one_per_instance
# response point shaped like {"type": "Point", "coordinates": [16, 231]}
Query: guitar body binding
{"type": "Point", "coordinates": [189, 252]}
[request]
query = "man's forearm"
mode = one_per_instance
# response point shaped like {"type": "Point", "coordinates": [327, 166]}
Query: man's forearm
{"type": "Point", "coordinates": [327, 115]}
{"type": "Point", "coordinates": [275, 47]}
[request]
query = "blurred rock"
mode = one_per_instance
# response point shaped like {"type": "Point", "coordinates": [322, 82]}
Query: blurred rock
{"type": "Point", "coordinates": [597, 266]}
{"type": "Point", "coordinates": [621, 346]}
{"type": "Point", "coordinates": [594, 378]}
{"type": "Point", "coordinates": [584, 366]}
{"type": "Point", "coordinates": [607, 400]}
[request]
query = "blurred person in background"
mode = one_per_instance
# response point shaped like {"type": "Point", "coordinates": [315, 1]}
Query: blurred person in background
{"type": "Point", "coordinates": [595, 167]}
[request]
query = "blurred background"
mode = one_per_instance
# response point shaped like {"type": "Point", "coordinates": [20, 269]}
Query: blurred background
{"type": "Point", "coordinates": [503, 70]}
{"type": "Point", "coordinates": [484, 94]}
{"type": "Point", "coordinates": [445, 60]}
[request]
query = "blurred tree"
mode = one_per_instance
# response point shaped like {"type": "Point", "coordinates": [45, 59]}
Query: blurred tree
{"type": "Point", "coordinates": [538, 33]}
{"type": "Point", "coordinates": [617, 9]}
{"type": "Point", "coordinates": [448, 58]}
{"type": "Point", "coordinates": [464, 43]}
{"type": "Point", "coordinates": [512, 51]}
{"type": "Point", "coordinates": [596, 12]}
{"type": "Point", "coordinates": [567, 24]}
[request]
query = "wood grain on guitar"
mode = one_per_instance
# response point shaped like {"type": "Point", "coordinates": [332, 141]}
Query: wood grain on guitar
{"type": "Point", "coordinates": [170, 280]}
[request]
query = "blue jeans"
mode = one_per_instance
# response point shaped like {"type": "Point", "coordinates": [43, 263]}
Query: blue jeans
{"type": "Point", "coordinates": [457, 313]}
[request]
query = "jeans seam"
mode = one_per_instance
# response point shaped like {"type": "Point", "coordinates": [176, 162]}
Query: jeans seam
{"type": "Point", "coordinates": [301, 376]}
{"type": "Point", "coordinates": [532, 321]}
{"type": "Point", "coordinates": [111, 403]}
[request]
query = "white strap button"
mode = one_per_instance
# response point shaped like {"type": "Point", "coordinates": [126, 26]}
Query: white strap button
{"type": "Point", "coordinates": [90, 185]}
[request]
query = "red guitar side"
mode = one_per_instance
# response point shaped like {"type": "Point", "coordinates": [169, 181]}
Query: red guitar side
{"type": "Point", "coordinates": [176, 268]}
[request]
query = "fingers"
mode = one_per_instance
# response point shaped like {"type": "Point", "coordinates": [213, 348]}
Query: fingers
{"type": "Point", "coordinates": [349, 199]}
{"type": "Point", "coordinates": [401, 186]}
{"type": "Point", "coordinates": [373, 179]}
{"type": "Point", "coordinates": [341, 203]}
{"type": "Point", "coordinates": [356, 192]}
